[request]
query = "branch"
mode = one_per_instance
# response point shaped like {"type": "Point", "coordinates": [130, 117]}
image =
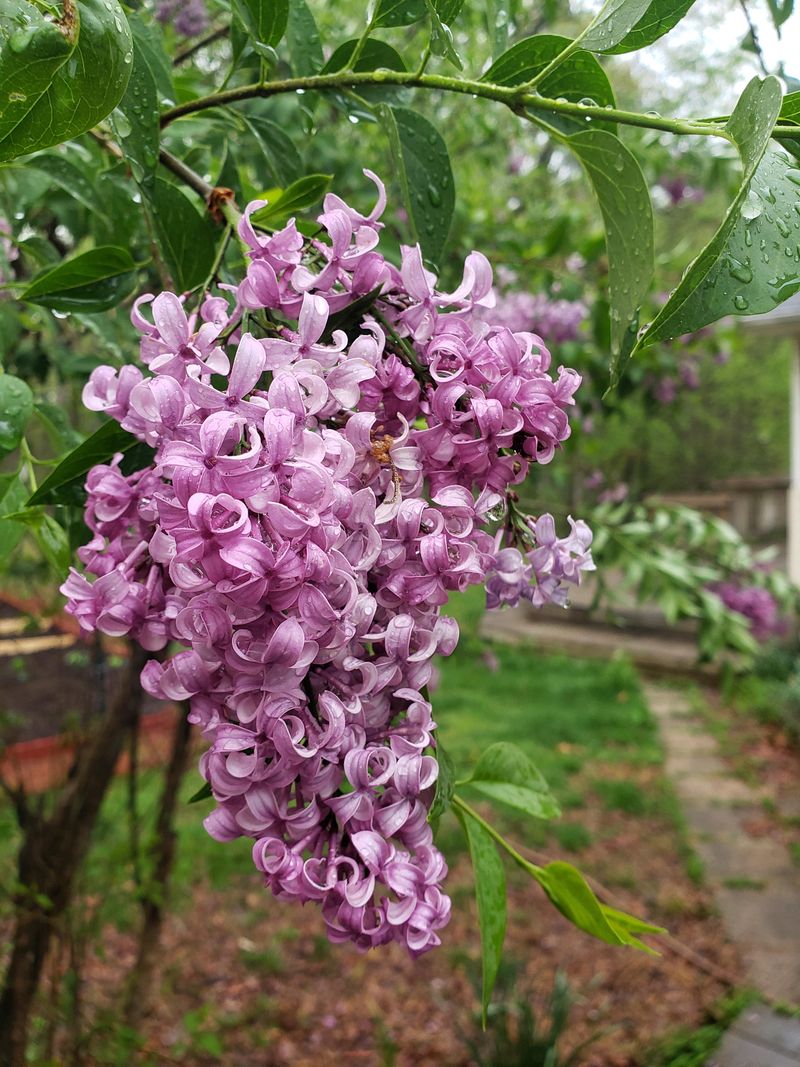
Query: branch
{"type": "Point", "coordinates": [202, 42]}
{"type": "Point", "coordinates": [518, 99]}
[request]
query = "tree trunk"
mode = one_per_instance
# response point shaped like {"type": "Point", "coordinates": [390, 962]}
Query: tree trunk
{"type": "Point", "coordinates": [155, 889]}
{"type": "Point", "coordinates": [53, 849]}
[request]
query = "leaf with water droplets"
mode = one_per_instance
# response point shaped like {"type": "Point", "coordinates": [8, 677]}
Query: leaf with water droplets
{"type": "Point", "coordinates": [139, 134]}
{"type": "Point", "coordinates": [59, 78]}
{"type": "Point", "coordinates": [92, 281]}
{"type": "Point", "coordinates": [659, 18]}
{"type": "Point", "coordinates": [426, 177]}
{"type": "Point", "coordinates": [187, 240]}
{"type": "Point", "coordinates": [624, 201]}
{"type": "Point", "coordinates": [16, 407]}
{"type": "Point", "coordinates": [264, 20]}
{"type": "Point", "coordinates": [578, 78]}
{"type": "Point", "coordinates": [303, 40]}
{"type": "Point", "coordinates": [728, 277]}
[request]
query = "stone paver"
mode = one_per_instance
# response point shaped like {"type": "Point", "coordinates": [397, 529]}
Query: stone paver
{"type": "Point", "coordinates": [764, 917]}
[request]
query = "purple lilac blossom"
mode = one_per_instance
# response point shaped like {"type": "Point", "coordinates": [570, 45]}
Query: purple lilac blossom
{"type": "Point", "coordinates": [757, 605]}
{"type": "Point", "coordinates": [314, 499]}
{"type": "Point", "coordinates": [189, 18]}
{"type": "Point", "coordinates": [554, 320]}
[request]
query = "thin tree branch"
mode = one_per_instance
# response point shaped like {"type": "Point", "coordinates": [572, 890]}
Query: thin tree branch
{"type": "Point", "coordinates": [214, 34]}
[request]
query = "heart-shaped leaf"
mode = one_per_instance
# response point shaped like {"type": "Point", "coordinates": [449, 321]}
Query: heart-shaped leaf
{"type": "Point", "coordinates": [579, 77]}
{"type": "Point", "coordinates": [264, 20]}
{"type": "Point", "coordinates": [59, 77]}
{"type": "Point", "coordinates": [752, 263]}
{"type": "Point", "coordinates": [187, 239]}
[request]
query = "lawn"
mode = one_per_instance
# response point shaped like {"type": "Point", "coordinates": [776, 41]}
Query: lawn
{"type": "Point", "coordinates": [248, 980]}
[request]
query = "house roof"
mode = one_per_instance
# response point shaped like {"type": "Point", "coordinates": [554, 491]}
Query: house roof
{"type": "Point", "coordinates": [783, 320]}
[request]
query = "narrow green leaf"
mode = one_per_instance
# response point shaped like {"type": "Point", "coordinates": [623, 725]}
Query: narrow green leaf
{"type": "Point", "coordinates": [56, 422]}
{"type": "Point", "coordinates": [60, 485]}
{"type": "Point", "coordinates": [49, 536]}
{"type": "Point", "coordinates": [579, 77]}
{"type": "Point", "coordinates": [426, 178]}
{"type": "Point", "coordinates": [92, 281]}
{"type": "Point", "coordinates": [12, 498]}
{"type": "Point", "coordinates": [399, 12]}
{"type": "Point", "coordinates": [300, 195]}
{"type": "Point", "coordinates": [497, 26]}
{"type": "Point", "coordinates": [349, 318]}
{"type": "Point", "coordinates": [442, 36]}
{"type": "Point", "coordinates": [570, 893]}
{"type": "Point", "coordinates": [303, 40]}
{"type": "Point", "coordinates": [16, 407]}
{"type": "Point", "coordinates": [613, 23]}
{"type": "Point", "coordinates": [375, 55]}
{"type": "Point", "coordinates": [745, 268]}
{"type": "Point", "coordinates": [70, 177]}
{"type": "Point", "coordinates": [490, 894]}
{"type": "Point", "coordinates": [60, 79]}
{"type": "Point", "coordinates": [624, 201]}
{"type": "Point", "coordinates": [203, 793]}
{"type": "Point", "coordinates": [264, 20]}
{"type": "Point", "coordinates": [659, 18]}
{"type": "Point", "coordinates": [139, 134]}
{"type": "Point", "coordinates": [187, 239]}
{"type": "Point", "coordinates": [282, 158]}
{"type": "Point", "coordinates": [445, 784]}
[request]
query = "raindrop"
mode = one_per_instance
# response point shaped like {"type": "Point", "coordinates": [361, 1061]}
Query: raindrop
{"type": "Point", "coordinates": [740, 271]}
{"type": "Point", "coordinates": [793, 176]}
{"type": "Point", "coordinates": [434, 195]}
{"type": "Point", "coordinates": [740, 302]}
{"type": "Point", "coordinates": [784, 229]}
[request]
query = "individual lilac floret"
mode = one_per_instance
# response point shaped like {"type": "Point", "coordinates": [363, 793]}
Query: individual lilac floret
{"type": "Point", "coordinates": [315, 497]}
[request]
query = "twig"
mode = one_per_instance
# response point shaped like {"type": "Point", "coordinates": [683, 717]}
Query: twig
{"type": "Point", "coordinates": [213, 35]}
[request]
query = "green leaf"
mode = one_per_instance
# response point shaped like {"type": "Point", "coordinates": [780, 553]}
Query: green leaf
{"type": "Point", "coordinates": [12, 498]}
{"type": "Point", "coordinates": [56, 422]}
{"type": "Point", "coordinates": [16, 407]}
{"type": "Point", "coordinates": [139, 134]}
{"type": "Point", "coordinates": [399, 12]}
{"type": "Point", "coordinates": [350, 317]}
{"type": "Point", "coordinates": [92, 281]}
{"type": "Point", "coordinates": [506, 774]}
{"type": "Point", "coordinates": [497, 25]}
{"type": "Point", "coordinates": [71, 178]}
{"type": "Point", "coordinates": [442, 36]}
{"type": "Point", "coordinates": [375, 55]}
{"type": "Point", "coordinates": [264, 20]}
{"type": "Point", "coordinates": [49, 535]}
{"type": "Point", "coordinates": [203, 793]}
{"type": "Point", "coordinates": [426, 178]}
{"type": "Point", "coordinates": [745, 268]}
{"type": "Point", "coordinates": [613, 23]}
{"type": "Point", "coordinates": [60, 485]}
{"type": "Point", "coordinates": [445, 784]}
{"type": "Point", "coordinates": [282, 158]}
{"type": "Point", "coordinates": [579, 77]}
{"type": "Point", "coordinates": [303, 40]}
{"type": "Point", "coordinates": [659, 18]}
{"type": "Point", "coordinates": [60, 78]}
{"type": "Point", "coordinates": [187, 239]}
{"type": "Point", "coordinates": [624, 200]}
{"type": "Point", "coordinates": [490, 894]}
{"type": "Point", "coordinates": [300, 195]}
{"type": "Point", "coordinates": [570, 893]}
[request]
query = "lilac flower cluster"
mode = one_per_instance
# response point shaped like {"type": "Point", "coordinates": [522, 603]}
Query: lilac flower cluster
{"type": "Point", "coordinates": [756, 603]}
{"type": "Point", "coordinates": [316, 495]}
{"type": "Point", "coordinates": [556, 321]}
{"type": "Point", "coordinates": [189, 18]}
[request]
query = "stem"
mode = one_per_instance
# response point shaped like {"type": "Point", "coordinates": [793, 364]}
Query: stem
{"type": "Point", "coordinates": [355, 55]}
{"type": "Point", "coordinates": [556, 61]}
{"type": "Point", "coordinates": [186, 174]}
{"type": "Point", "coordinates": [519, 859]}
{"type": "Point", "coordinates": [202, 42]}
{"type": "Point", "coordinates": [518, 99]}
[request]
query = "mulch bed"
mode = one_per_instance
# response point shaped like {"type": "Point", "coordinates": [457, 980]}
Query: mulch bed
{"type": "Point", "coordinates": [260, 975]}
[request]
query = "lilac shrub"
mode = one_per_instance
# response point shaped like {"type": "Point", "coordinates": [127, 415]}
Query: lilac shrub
{"type": "Point", "coordinates": [757, 604]}
{"type": "Point", "coordinates": [319, 488]}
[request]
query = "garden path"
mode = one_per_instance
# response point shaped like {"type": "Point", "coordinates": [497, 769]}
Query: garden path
{"type": "Point", "coordinates": [756, 885]}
